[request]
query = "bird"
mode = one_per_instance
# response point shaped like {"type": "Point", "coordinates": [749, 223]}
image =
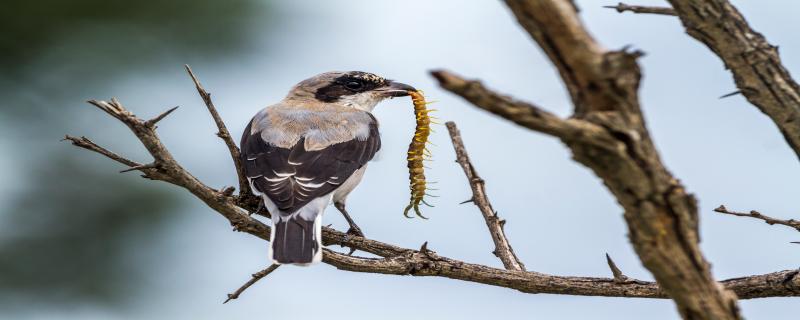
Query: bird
{"type": "Point", "coordinates": [311, 149]}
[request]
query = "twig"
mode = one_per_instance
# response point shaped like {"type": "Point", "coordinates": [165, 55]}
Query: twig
{"type": "Point", "coordinates": [502, 248]}
{"type": "Point", "coordinates": [255, 277]}
{"type": "Point", "coordinates": [755, 214]}
{"type": "Point", "coordinates": [621, 7]}
{"type": "Point", "coordinates": [244, 186]}
{"type": "Point", "coordinates": [85, 143]}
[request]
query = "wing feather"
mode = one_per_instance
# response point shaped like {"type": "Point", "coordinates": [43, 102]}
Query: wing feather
{"type": "Point", "coordinates": [292, 177]}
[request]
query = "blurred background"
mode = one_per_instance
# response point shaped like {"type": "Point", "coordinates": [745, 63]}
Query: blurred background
{"type": "Point", "coordinates": [80, 241]}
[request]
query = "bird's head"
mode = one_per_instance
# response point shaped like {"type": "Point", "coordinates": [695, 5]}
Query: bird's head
{"type": "Point", "coordinates": [356, 89]}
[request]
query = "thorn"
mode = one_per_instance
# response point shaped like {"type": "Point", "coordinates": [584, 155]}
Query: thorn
{"type": "Point", "coordinates": [467, 201]}
{"type": "Point", "coordinates": [795, 242]}
{"type": "Point", "coordinates": [424, 247]}
{"type": "Point", "coordinates": [730, 94]}
{"type": "Point", "coordinates": [721, 208]}
{"type": "Point", "coordinates": [140, 167]}
{"type": "Point", "coordinates": [618, 276]}
{"type": "Point", "coordinates": [152, 122]}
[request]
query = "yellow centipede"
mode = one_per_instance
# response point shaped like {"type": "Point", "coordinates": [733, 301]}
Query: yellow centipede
{"type": "Point", "coordinates": [417, 153]}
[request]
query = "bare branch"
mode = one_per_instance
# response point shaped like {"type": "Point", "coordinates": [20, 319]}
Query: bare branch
{"type": "Point", "coordinates": [755, 214]}
{"type": "Point", "coordinates": [621, 7]}
{"type": "Point", "coordinates": [502, 248]}
{"type": "Point", "coordinates": [244, 185]}
{"type": "Point", "coordinates": [755, 63]}
{"type": "Point", "coordinates": [403, 261]}
{"type": "Point", "coordinates": [254, 278]}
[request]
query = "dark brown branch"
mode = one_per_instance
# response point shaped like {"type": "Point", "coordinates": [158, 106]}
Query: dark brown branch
{"type": "Point", "coordinates": [502, 248]}
{"type": "Point", "coordinates": [244, 185]}
{"type": "Point", "coordinates": [755, 214]}
{"type": "Point", "coordinates": [254, 278]}
{"type": "Point", "coordinates": [755, 63]}
{"type": "Point", "coordinates": [621, 7]}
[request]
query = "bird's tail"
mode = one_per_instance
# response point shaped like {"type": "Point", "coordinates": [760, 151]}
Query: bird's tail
{"type": "Point", "coordinates": [295, 239]}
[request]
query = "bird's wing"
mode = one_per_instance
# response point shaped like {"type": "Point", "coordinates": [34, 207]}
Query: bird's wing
{"type": "Point", "coordinates": [292, 176]}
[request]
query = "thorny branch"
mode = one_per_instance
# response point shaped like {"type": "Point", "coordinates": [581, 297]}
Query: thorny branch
{"type": "Point", "coordinates": [502, 248]}
{"type": "Point", "coordinates": [223, 133]}
{"type": "Point", "coordinates": [755, 214]}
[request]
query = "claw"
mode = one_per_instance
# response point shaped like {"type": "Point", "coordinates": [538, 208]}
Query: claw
{"type": "Point", "coordinates": [355, 231]}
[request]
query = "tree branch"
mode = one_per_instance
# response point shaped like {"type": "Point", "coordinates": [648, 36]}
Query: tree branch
{"type": "Point", "coordinates": [621, 7]}
{"type": "Point", "coordinates": [254, 278]}
{"type": "Point", "coordinates": [244, 185]}
{"type": "Point", "coordinates": [755, 214]}
{"type": "Point", "coordinates": [403, 261]}
{"type": "Point", "coordinates": [755, 64]}
{"type": "Point", "coordinates": [502, 248]}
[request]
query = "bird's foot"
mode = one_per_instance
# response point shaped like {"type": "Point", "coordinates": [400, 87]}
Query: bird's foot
{"type": "Point", "coordinates": [355, 231]}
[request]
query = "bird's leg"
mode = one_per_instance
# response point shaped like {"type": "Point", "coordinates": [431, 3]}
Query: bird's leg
{"type": "Point", "coordinates": [354, 229]}
{"type": "Point", "coordinates": [258, 210]}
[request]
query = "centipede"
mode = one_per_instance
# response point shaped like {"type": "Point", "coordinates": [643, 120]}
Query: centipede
{"type": "Point", "coordinates": [418, 153]}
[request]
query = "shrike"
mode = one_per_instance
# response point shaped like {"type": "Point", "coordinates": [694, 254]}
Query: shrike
{"type": "Point", "coordinates": [311, 149]}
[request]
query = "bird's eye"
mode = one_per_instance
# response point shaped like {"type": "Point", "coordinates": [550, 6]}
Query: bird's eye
{"type": "Point", "coordinates": [354, 85]}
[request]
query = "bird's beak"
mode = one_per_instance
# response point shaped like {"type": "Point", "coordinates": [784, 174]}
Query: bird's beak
{"type": "Point", "coordinates": [396, 89]}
